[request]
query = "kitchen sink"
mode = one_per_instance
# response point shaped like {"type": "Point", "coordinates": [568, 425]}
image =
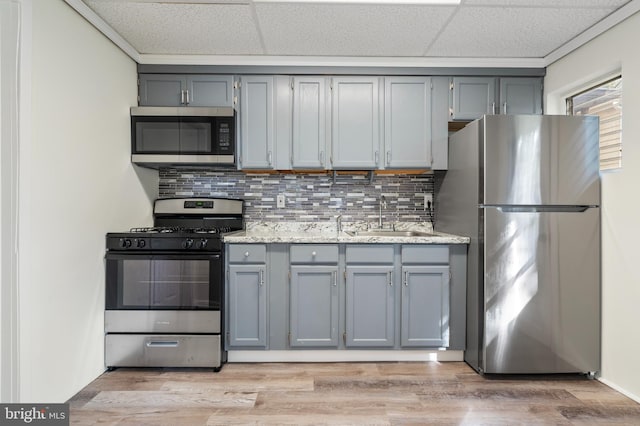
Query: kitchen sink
{"type": "Point", "coordinates": [388, 233]}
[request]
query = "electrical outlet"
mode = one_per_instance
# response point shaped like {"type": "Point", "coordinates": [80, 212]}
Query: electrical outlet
{"type": "Point", "coordinates": [428, 201]}
{"type": "Point", "coordinates": [280, 201]}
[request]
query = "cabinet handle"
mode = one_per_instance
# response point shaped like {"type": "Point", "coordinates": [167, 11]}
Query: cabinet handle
{"type": "Point", "coordinates": [335, 278]}
{"type": "Point", "coordinates": [388, 158]}
{"type": "Point", "coordinates": [377, 157]}
{"type": "Point", "coordinates": [246, 254]}
{"type": "Point", "coordinates": [406, 282]}
{"type": "Point", "coordinates": [269, 157]}
{"type": "Point", "coordinates": [182, 96]}
{"type": "Point", "coordinates": [313, 254]}
{"type": "Point", "coordinates": [322, 158]}
{"type": "Point", "coordinates": [504, 108]}
{"type": "Point", "coordinates": [163, 344]}
{"type": "Point", "coordinates": [493, 108]}
{"type": "Point", "coordinates": [261, 278]}
{"type": "Point", "coordinates": [187, 96]}
{"type": "Point", "coordinates": [390, 279]}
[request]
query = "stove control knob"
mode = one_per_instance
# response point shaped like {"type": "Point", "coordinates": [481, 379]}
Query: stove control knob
{"type": "Point", "coordinates": [188, 243]}
{"type": "Point", "coordinates": [141, 243]}
{"type": "Point", "coordinates": [202, 244]}
{"type": "Point", "coordinates": [125, 242]}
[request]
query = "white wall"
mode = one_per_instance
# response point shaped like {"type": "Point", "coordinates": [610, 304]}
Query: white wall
{"type": "Point", "coordinates": [76, 183]}
{"type": "Point", "coordinates": [9, 58]}
{"type": "Point", "coordinates": [617, 49]}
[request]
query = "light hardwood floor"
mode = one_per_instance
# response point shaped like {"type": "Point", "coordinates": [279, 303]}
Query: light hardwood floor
{"type": "Point", "coordinates": [389, 393]}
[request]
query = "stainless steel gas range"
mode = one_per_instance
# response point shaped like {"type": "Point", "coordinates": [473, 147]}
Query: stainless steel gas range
{"type": "Point", "coordinates": [164, 286]}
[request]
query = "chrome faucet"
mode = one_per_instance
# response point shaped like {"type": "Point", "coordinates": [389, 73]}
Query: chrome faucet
{"type": "Point", "coordinates": [383, 204]}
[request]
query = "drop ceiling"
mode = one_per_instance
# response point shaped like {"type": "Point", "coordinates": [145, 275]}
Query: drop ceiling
{"type": "Point", "coordinates": [244, 32]}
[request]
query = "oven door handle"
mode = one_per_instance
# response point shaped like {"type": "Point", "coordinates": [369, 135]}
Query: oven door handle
{"type": "Point", "coordinates": [163, 344]}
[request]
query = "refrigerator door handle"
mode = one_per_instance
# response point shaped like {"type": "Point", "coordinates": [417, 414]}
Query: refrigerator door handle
{"type": "Point", "coordinates": [542, 209]}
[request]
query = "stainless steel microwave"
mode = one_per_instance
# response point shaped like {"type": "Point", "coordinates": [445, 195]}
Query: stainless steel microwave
{"type": "Point", "coordinates": [174, 136]}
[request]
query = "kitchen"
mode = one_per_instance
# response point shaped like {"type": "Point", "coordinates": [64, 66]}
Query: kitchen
{"type": "Point", "coordinates": [81, 90]}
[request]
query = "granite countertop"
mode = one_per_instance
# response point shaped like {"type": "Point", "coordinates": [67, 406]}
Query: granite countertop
{"type": "Point", "coordinates": [323, 232]}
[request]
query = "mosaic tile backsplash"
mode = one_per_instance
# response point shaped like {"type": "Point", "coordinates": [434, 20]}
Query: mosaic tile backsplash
{"type": "Point", "coordinates": [309, 197]}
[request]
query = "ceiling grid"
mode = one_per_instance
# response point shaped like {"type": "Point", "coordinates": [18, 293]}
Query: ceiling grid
{"type": "Point", "coordinates": [490, 32]}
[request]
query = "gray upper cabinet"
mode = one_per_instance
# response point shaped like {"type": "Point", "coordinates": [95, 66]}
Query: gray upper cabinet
{"type": "Point", "coordinates": [370, 296]}
{"type": "Point", "coordinates": [407, 122]}
{"type": "Point", "coordinates": [520, 96]}
{"type": "Point", "coordinates": [355, 123]}
{"type": "Point", "coordinates": [186, 90]}
{"type": "Point", "coordinates": [472, 97]}
{"type": "Point", "coordinates": [210, 90]}
{"type": "Point", "coordinates": [310, 122]}
{"type": "Point", "coordinates": [440, 123]}
{"type": "Point", "coordinates": [314, 296]}
{"type": "Point", "coordinates": [257, 129]}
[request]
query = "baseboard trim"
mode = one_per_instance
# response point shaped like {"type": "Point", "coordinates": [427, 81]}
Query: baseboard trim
{"type": "Point", "coordinates": [343, 356]}
{"type": "Point", "coordinates": [617, 388]}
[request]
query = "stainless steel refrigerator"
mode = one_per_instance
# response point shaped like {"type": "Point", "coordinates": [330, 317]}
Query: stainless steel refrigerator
{"type": "Point", "coordinates": [526, 189]}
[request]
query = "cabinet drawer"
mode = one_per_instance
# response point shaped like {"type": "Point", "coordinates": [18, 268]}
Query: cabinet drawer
{"type": "Point", "coordinates": [371, 253]}
{"type": "Point", "coordinates": [314, 253]}
{"type": "Point", "coordinates": [162, 350]}
{"type": "Point", "coordinates": [425, 254]}
{"type": "Point", "coordinates": [247, 253]}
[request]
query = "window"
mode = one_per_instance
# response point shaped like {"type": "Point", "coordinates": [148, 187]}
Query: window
{"type": "Point", "coordinates": [605, 101]}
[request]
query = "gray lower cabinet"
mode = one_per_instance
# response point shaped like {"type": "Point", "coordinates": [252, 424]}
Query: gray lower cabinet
{"type": "Point", "coordinates": [369, 306]}
{"type": "Point", "coordinates": [314, 296]}
{"type": "Point", "coordinates": [345, 296]}
{"type": "Point", "coordinates": [247, 289]}
{"type": "Point", "coordinates": [370, 301]}
{"type": "Point", "coordinates": [314, 310]}
{"type": "Point", "coordinates": [425, 296]}
{"type": "Point", "coordinates": [198, 90]}
{"type": "Point", "coordinates": [407, 122]}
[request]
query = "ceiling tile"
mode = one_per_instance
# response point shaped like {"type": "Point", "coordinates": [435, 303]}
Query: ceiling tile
{"type": "Point", "coordinates": [349, 30]}
{"type": "Point", "coordinates": [155, 28]}
{"type": "Point", "coordinates": [511, 32]}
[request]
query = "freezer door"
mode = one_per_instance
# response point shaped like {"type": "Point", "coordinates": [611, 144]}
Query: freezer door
{"type": "Point", "coordinates": [536, 159]}
{"type": "Point", "coordinates": [541, 291]}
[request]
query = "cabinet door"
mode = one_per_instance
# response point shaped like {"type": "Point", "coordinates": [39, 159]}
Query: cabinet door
{"type": "Point", "coordinates": [314, 306]}
{"type": "Point", "coordinates": [247, 306]}
{"type": "Point", "coordinates": [425, 306]}
{"type": "Point", "coordinates": [369, 306]}
{"type": "Point", "coordinates": [256, 122]}
{"type": "Point", "coordinates": [407, 122]}
{"type": "Point", "coordinates": [309, 121]}
{"type": "Point", "coordinates": [520, 95]}
{"type": "Point", "coordinates": [162, 89]}
{"type": "Point", "coordinates": [472, 97]}
{"type": "Point", "coordinates": [210, 90]}
{"type": "Point", "coordinates": [355, 123]}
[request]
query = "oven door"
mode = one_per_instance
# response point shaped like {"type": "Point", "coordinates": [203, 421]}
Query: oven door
{"type": "Point", "coordinates": [172, 281]}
